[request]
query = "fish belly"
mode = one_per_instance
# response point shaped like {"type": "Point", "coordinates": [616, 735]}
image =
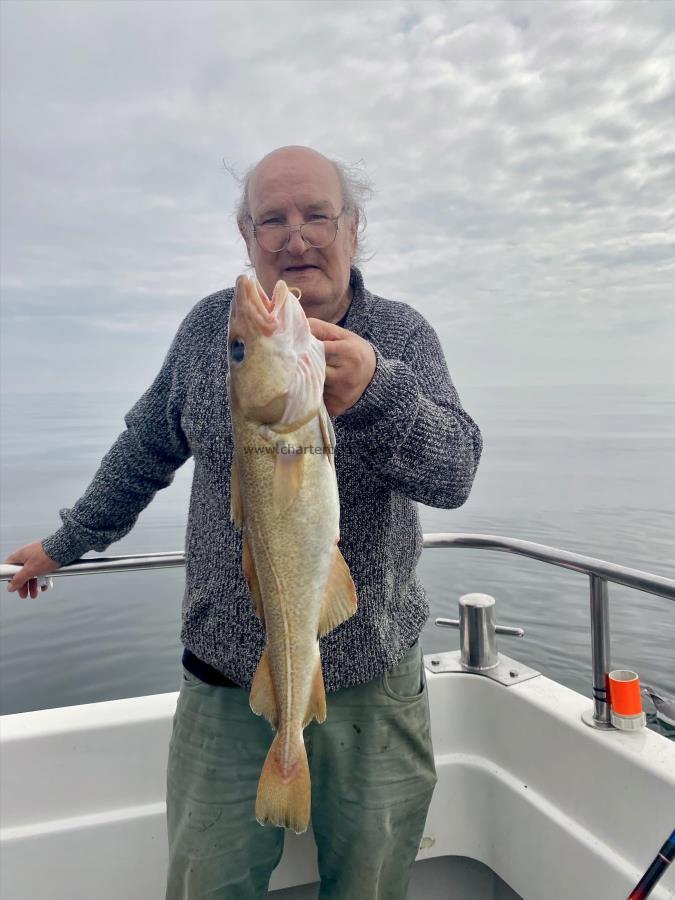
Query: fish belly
{"type": "Point", "coordinates": [304, 590]}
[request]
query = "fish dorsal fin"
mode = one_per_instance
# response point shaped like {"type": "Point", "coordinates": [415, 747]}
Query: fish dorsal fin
{"type": "Point", "coordinates": [289, 469]}
{"type": "Point", "coordinates": [327, 435]}
{"type": "Point", "coordinates": [251, 577]}
{"type": "Point", "coordinates": [236, 506]}
{"type": "Point", "coordinates": [340, 600]}
{"type": "Point", "coordinates": [263, 700]}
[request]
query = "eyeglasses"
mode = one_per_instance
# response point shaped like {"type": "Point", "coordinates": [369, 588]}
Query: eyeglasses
{"type": "Point", "coordinates": [320, 232]}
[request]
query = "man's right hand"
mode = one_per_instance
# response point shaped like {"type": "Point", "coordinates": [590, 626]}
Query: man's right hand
{"type": "Point", "coordinates": [35, 562]}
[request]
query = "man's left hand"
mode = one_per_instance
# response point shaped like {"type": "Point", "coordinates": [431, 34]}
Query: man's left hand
{"type": "Point", "coordinates": [350, 365]}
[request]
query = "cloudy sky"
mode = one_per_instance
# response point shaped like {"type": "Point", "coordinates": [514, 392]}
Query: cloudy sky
{"type": "Point", "coordinates": [523, 156]}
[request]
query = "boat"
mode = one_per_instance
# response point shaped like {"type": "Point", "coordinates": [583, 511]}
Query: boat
{"type": "Point", "coordinates": [539, 796]}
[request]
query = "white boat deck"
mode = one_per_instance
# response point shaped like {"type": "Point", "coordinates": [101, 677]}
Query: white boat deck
{"type": "Point", "coordinates": [526, 790]}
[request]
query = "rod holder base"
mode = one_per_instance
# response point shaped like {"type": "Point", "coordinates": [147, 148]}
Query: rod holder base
{"type": "Point", "coordinates": [507, 671]}
{"type": "Point", "coordinates": [588, 719]}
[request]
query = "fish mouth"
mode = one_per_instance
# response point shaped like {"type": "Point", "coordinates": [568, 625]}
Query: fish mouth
{"type": "Point", "coordinates": [253, 307]}
{"type": "Point", "coordinates": [254, 312]}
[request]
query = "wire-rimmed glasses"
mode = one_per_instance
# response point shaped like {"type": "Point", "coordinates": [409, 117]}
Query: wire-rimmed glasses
{"type": "Point", "coordinates": [319, 232]}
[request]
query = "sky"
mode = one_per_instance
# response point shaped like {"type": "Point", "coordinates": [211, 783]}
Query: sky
{"type": "Point", "coordinates": [522, 156]}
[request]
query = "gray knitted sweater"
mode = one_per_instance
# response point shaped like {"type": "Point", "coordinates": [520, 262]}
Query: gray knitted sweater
{"type": "Point", "coordinates": [406, 440]}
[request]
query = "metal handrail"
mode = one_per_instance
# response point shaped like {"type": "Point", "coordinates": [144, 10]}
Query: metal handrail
{"type": "Point", "coordinates": [599, 572]}
{"type": "Point", "coordinates": [100, 565]}
{"type": "Point", "coordinates": [588, 565]}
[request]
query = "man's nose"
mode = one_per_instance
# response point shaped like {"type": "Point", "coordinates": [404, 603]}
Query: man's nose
{"type": "Point", "coordinates": [296, 245]}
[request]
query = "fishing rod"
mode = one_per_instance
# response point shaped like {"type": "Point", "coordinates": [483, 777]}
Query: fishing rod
{"type": "Point", "coordinates": [660, 863]}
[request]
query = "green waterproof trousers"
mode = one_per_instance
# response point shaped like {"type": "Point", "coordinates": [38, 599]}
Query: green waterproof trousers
{"type": "Point", "coordinates": [372, 770]}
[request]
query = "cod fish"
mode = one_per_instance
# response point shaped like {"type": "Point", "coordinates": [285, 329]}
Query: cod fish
{"type": "Point", "coordinates": [285, 500]}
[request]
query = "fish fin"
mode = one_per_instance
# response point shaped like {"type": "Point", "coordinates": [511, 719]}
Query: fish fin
{"type": "Point", "coordinates": [327, 435]}
{"type": "Point", "coordinates": [263, 700]}
{"type": "Point", "coordinates": [236, 506]}
{"type": "Point", "coordinates": [289, 469]}
{"type": "Point", "coordinates": [251, 577]}
{"type": "Point", "coordinates": [284, 797]}
{"type": "Point", "coordinates": [340, 600]}
{"type": "Point", "coordinates": [316, 708]}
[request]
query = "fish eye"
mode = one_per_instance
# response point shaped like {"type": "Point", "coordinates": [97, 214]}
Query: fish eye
{"type": "Point", "coordinates": [237, 351]}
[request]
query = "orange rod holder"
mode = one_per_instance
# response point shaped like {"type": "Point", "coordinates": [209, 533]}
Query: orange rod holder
{"type": "Point", "coordinates": [625, 700]}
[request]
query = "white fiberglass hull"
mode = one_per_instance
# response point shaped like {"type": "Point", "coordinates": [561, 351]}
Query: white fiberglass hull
{"type": "Point", "coordinates": [555, 808]}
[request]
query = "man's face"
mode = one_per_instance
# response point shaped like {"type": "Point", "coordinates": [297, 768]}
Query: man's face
{"type": "Point", "coordinates": [292, 186]}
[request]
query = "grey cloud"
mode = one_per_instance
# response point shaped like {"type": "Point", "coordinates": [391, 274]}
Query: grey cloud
{"type": "Point", "coordinates": [523, 156]}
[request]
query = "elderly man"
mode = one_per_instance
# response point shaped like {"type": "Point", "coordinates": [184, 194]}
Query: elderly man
{"type": "Point", "coordinates": [402, 437]}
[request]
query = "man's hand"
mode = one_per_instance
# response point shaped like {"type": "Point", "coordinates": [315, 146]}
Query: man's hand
{"type": "Point", "coordinates": [35, 562]}
{"type": "Point", "coordinates": [350, 365]}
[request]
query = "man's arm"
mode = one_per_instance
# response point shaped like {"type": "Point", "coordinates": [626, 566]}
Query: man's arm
{"type": "Point", "coordinates": [142, 460]}
{"type": "Point", "coordinates": [407, 423]}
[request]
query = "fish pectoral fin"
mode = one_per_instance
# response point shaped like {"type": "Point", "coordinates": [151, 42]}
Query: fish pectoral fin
{"type": "Point", "coordinates": [327, 435]}
{"type": "Point", "coordinates": [251, 577]}
{"type": "Point", "coordinates": [316, 707]}
{"type": "Point", "coordinates": [263, 700]}
{"type": "Point", "coordinates": [289, 468]}
{"type": "Point", "coordinates": [340, 601]}
{"type": "Point", "coordinates": [236, 506]}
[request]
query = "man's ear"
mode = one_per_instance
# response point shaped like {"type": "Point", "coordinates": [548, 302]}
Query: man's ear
{"type": "Point", "coordinates": [246, 234]}
{"type": "Point", "coordinates": [353, 231]}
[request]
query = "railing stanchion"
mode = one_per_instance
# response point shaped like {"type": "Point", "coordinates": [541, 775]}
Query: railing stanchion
{"type": "Point", "coordinates": [600, 650]}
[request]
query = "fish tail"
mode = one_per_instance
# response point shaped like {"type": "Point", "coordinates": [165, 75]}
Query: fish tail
{"type": "Point", "coordinates": [284, 789]}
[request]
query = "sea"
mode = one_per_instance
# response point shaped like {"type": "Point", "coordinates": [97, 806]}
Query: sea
{"type": "Point", "coordinates": [589, 469]}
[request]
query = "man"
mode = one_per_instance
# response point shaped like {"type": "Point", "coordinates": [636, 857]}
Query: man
{"type": "Point", "coordinates": [402, 436]}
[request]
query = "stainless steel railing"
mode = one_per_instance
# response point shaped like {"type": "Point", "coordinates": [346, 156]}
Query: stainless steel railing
{"type": "Point", "coordinates": [599, 572]}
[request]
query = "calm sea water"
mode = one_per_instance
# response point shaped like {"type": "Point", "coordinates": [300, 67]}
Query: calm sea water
{"type": "Point", "coordinates": [589, 470]}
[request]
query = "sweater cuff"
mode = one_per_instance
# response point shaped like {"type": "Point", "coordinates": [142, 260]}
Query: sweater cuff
{"type": "Point", "coordinates": [392, 394]}
{"type": "Point", "coordinates": [64, 546]}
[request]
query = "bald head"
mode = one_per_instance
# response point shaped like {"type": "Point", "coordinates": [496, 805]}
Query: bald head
{"type": "Point", "coordinates": [292, 186]}
{"type": "Point", "coordinates": [298, 168]}
{"type": "Point", "coordinates": [354, 184]}
{"type": "Point", "coordinates": [295, 160]}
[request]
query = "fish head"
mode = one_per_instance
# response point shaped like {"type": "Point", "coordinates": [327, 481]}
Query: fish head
{"type": "Point", "coordinates": [276, 367]}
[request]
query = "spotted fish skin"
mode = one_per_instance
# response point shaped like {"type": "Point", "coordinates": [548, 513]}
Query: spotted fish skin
{"type": "Point", "coordinates": [285, 500]}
